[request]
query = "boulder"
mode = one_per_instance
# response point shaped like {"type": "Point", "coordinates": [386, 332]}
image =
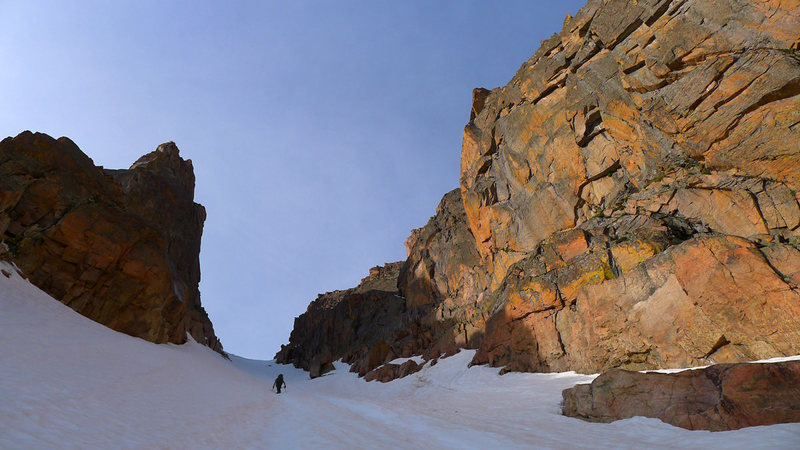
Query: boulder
{"type": "Point", "coordinates": [389, 372]}
{"type": "Point", "coordinates": [717, 398]}
{"type": "Point", "coordinates": [633, 190]}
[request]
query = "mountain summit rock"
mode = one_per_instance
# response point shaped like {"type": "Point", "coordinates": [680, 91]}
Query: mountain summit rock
{"type": "Point", "coordinates": [118, 246]}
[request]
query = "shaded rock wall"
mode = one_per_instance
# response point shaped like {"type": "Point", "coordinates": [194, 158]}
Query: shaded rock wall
{"type": "Point", "coordinates": [354, 325]}
{"type": "Point", "coordinates": [442, 278]}
{"type": "Point", "coordinates": [717, 398]}
{"type": "Point", "coordinates": [118, 246]}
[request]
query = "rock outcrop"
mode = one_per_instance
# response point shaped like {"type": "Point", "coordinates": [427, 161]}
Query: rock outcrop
{"type": "Point", "coordinates": [354, 325]}
{"type": "Point", "coordinates": [717, 398]}
{"type": "Point", "coordinates": [629, 199]}
{"type": "Point", "coordinates": [643, 294]}
{"type": "Point", "coordinates": [391, 371]}
{"type": "Point", "coordinates": [423, 305]}
{"type": "Point", "coordinates": [118, 246]}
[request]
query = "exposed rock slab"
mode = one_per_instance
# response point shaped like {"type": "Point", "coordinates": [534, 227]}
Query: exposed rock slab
{"type": "Point", "coordinates": [717, 398]}
{"type": "Point", "coordinates": [118, 246]}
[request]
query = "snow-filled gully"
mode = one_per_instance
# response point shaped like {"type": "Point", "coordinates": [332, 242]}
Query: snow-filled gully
{"type": "Point", "coordinates": [68, 382]}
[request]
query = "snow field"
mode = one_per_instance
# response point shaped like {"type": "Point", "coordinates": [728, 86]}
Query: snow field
{"type": "Point", "coordinates": [68, 382]}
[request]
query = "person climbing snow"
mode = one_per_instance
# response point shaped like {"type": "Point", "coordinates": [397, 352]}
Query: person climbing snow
{"type": "Point", "coordinates": [279, 383]}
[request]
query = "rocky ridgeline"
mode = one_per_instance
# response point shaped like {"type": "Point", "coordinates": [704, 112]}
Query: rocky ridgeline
{"type": "Point", "coordinates": [118, 246]}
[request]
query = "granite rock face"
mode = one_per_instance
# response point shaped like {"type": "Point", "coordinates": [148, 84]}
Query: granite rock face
{"type": "Point", "coordinates": [423, 305]}
{"type": "Point", "coordinates": [631, 188]}
{"type": "Point", "coordinates": [629, 199]}
{"type": "Point", "coordinates": [641, 295]}
{"type": "Point", "coordinates": [625, 94]}
{"type": "Point", "coordinates": [717, 398]}
{"type": "Point", "coordinates": [118, 246]}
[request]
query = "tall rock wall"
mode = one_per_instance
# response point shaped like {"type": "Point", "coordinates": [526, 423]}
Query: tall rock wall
{"type": "Point", "coordinates": [626, 94]}
{"type": "Point", "coordinates": [629, 199]}
{"type": "Point", "coordinates": [631, 188]}
{"type": "Point", "coordinates": [118, 246]}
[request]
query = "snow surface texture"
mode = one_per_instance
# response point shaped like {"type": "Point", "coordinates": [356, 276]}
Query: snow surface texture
{"type": "Point", "coordinates": [68, 382]}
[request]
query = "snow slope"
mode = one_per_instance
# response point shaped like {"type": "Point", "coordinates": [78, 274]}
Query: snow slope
{"type": "Point", "coordinates": [68, 382]}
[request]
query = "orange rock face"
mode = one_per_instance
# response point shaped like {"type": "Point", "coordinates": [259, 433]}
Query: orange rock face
{"type": "Point", "coordinates": [118, 246]}
{"type": "Point", "coordinates": [625, 94]}
{"type": "Point", "coordinates": [629, 199]}
{"type": "Point", "coordinates": [665, 132]}
{"type": "Point", "coordinates": [717, 398]}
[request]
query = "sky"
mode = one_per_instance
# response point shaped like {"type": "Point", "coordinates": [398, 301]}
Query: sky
{"type": "Point", "coordinates": [321, 133]}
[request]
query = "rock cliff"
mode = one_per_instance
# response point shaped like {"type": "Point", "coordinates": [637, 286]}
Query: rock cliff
{"type": "Point", "coordinates": [628, 200]}
{"type": "Point", "coordinates": [631, 188]}
{"type": "Point", "coordinates": [118, 246]}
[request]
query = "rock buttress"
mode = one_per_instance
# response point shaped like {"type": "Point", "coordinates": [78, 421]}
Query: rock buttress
{"type": "Point", "coordinates": [354, 325]}
{"type": "Point", "coordinates": [118, 246]}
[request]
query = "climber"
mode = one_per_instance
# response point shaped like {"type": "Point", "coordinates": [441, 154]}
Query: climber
{"type": "Point", "coordinates": [279, 383]}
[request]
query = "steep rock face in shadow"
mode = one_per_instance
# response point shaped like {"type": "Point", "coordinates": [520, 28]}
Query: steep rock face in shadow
{"type": "Point", "coordinates": [423, 305]}
{"type": "Point", "coordinates": [628, 200]}
{"type": "Point", "coordinates": [442, 279]}
{"type": "Point", "coordinates": [118, 246]}
{"type": "Point", "coordinates": [354, 325]}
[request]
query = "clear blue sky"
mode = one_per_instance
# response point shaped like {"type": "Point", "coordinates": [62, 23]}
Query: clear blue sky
{"type": "Point", "coordinates": [321, 132]}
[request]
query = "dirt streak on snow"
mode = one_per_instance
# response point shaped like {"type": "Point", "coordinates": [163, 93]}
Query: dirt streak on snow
{"type": "Point", "coordinates": [68, 382]}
